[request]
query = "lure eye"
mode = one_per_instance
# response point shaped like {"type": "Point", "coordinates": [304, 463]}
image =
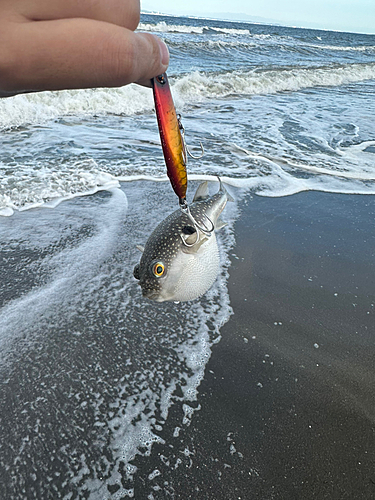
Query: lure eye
{"type": "Point", "coordinates": [158, 269]}
{"type": "Point", "coordinates": [161, 79]}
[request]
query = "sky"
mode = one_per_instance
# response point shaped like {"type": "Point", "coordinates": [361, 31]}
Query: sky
{"type": "Point", "coordinates": [343, 15]}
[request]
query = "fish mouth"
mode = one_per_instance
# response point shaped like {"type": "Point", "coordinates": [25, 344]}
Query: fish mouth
{"type": "Point", "coordinates": [151, 294]}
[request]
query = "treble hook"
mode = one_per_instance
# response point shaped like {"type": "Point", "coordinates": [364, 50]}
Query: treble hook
{"type": "Point", "coordinates": [204, 229]}
{"type": "Point", "coordinates": [186, 149]}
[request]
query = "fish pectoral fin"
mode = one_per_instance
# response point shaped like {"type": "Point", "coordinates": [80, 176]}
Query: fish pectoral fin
{"type": "Point", "coordinates": [140, 248]}
{"type": "Point", "coordinates": [190, 239]}
{"type": "Point", "coordinates": [202, 192]}
{"type": "Point", "coordinates": [189, 236]}
{"type": "Point", "coordinates": [220, 223]}
{"type": "Point", "coordinates": [193, 242]}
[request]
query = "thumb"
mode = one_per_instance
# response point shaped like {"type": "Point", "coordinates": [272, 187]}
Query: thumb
{"type": "Point", "coordinates": [78, 53]}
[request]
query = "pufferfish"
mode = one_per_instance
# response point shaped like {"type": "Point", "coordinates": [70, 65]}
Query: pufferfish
{"type": "Point", "coordinates": [180, 260]}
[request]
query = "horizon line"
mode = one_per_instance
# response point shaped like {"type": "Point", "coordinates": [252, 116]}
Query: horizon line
{"type": "Point", "coordinates": [249, 21]}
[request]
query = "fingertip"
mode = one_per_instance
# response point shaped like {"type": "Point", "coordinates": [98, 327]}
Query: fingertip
{"type": "Point", "coordinates": [164, 53]}
{"type": "Point", "coordinates": [164, 60]}
{"type": "Point", "coordinates": [152, 57]}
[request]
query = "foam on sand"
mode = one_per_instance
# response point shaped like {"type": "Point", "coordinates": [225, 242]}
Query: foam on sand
{"type": "Point", "coordinates": [106, 360]}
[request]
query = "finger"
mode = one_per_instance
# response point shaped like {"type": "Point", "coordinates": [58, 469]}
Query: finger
{"type": "Point", "coordinates": [121, 12]}
{"type": "Point", "coordinates": [78, 53]}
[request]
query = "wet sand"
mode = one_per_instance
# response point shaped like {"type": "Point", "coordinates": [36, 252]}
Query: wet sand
{"type": "Point", "coordinates": [287, 405]}
{"type": "Point", "coordinates": [286, 409]}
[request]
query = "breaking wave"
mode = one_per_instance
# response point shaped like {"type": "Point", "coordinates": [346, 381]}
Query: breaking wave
{"type": "Point", "coordinates": [268, 177]}
{"type": "Point", "coordinates": [44, 106]}
{"type": "Point", "coordinates": [197, 86]}
{"type": "Point", "coordinates": [163, 27]}
{"type": "Point", "coordinates": [363, 48]}
{"type": "Point", "coordinates": [272, 81]}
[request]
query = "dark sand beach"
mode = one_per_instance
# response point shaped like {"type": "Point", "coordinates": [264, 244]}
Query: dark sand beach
{"type": "Point", "coordinates": [287, 408]}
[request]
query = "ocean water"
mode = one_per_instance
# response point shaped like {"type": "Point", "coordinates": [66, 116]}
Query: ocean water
{"type": "Point", "coordinates": [279, 110]}
{"type": "Point", "coordinates": [90, 370]}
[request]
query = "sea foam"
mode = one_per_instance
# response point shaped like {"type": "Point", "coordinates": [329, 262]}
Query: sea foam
{"type": "Point", "coordinates": [107, 360]}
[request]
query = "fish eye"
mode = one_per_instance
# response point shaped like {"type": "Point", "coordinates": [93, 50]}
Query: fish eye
{"type": "Point", "coordinates": [158, 269]}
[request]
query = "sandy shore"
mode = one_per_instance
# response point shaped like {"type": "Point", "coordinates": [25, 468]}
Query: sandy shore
{"type": "Point", "coordinates": [287, 408]}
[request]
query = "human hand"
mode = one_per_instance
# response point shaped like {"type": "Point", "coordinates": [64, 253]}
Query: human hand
{"type": "Point", "coordinates": [70, 44]}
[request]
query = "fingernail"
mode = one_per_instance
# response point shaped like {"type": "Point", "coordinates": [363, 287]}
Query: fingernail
{"type": "Point", "coordinates": [164, 52]}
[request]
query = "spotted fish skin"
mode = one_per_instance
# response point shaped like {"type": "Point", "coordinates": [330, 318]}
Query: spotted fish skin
{"type": "Point", "coordinates": [190, 261]}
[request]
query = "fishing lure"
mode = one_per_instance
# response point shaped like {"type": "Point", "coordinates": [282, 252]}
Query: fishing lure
{"type": "Point", "coordinates": [172, 135]}
{"type": "Point", "coordinates": [175, 150]}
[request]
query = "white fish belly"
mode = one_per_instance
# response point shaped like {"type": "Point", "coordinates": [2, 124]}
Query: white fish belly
{"type": "Point", "coordinates": [198, 272]}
